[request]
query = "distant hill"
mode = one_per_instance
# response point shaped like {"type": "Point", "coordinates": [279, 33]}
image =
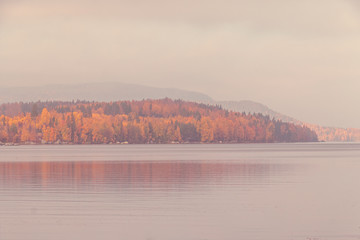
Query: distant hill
{"type": "Point", "coordinates": [108, 91]}
{"type": "Point", "coordinates": [254, 107]}
{"type": "Point", "coordinates": [326, 134]}
{"type": "Point", "coordinates": [115, 91]}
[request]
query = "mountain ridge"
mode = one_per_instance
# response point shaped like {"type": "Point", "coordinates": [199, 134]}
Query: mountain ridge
{"type": "Point", "coordinates": [108, 91]}
{"type": "Point", "coordinates": [117, 91]}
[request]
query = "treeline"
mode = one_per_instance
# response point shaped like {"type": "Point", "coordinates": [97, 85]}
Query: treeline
{"type": "Point", "coordinates": [331, 134]}
{"type": "Point", "coordinates": [147, 121]}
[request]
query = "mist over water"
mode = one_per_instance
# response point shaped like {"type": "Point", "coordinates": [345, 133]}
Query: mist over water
{"type": "Point", "coordinates": [251, 191]}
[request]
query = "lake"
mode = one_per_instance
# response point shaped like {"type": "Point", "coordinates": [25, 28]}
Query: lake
{"type": "Point", "coordinates": [307, 191]}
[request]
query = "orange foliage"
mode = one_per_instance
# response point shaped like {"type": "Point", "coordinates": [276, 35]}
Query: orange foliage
{"type": "Point", "coordinates": [331, 134]}
{"type": "Point", "coordinates": [147, 121]}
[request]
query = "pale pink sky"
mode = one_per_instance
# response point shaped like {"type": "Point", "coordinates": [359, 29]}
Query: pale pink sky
{"type": "Point", "coordinates": [300, 58]}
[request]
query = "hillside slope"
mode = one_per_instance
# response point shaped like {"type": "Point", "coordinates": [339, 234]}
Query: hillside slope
{"type": "Point", "coordinates": [326, 134]}
{"type": "Point", "coordinates": [114, 91]}
{"type": "Point", "coordinates": [107, 91]}
{"type": "Point", "coordinates": [147, 121]}
{"type": "Point", "coordinates": [254, 107]}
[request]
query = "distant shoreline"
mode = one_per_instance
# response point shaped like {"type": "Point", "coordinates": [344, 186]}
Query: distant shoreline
{"type": "Point", "coordinates": [190, 143]}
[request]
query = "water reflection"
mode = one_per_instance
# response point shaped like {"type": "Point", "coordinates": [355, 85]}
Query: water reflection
{"type": "Point", "coordinates": [227, 192]}
{"type": "Point", "coordinates": [131, 174]}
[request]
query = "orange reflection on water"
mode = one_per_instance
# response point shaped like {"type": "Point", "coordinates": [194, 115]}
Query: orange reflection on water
{"type": "Point", "coordinates": [128, 173]}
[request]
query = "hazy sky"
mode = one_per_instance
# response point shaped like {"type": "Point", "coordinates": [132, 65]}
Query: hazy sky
{"type": "Point", "coordinates": [301, 58]}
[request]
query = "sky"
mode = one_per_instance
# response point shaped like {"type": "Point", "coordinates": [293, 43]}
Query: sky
{"type": "Point", "coordinates": [300, 58]}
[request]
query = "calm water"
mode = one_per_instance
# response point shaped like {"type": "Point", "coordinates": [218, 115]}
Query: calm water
{"type": "Point", "coordinates": [180, 192]}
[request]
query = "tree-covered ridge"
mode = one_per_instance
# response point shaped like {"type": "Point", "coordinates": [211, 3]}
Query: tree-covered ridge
{"type": "Point", "coordinates": [147, 121]}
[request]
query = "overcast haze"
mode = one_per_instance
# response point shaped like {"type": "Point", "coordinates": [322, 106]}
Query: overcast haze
{"type": "Point", "coordinates": [300, 58]}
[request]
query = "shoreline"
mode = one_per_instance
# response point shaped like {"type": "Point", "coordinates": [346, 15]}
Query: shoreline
{"type": "Point", "coordinates": [178, 143]}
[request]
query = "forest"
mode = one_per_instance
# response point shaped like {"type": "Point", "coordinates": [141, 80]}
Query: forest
{"type": "Point", "coordinates": [146, 121]}
{"type": "Point", "coordinates": [331, 134]}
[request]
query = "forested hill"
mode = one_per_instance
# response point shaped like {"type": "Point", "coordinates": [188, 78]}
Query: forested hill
{"type": "Point", "coordinates": [147, 121]}
{"type": "Point", "coordinates": [97, 91]}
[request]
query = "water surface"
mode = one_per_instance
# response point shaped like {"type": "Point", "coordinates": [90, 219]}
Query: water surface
{"type": "Point", "coordinates": [180, 192]}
